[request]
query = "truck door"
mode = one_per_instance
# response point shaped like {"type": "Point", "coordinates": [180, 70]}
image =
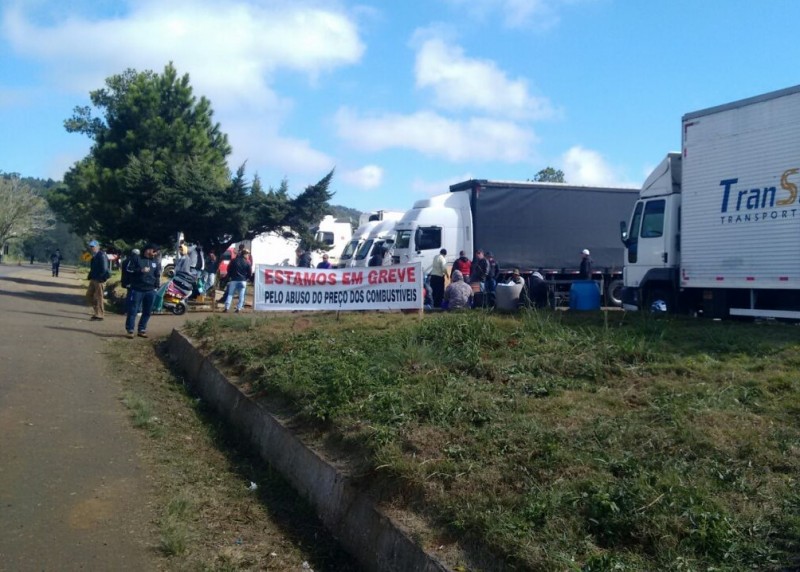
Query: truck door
{"type": "Point", "coordinates": [648, 242]}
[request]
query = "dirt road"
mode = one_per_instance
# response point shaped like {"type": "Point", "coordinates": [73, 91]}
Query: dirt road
{"type": "Point", "coordinates": [73, 494]}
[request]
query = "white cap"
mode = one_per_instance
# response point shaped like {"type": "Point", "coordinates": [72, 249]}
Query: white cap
{"type": "Point", "coordinates": [585, 252]}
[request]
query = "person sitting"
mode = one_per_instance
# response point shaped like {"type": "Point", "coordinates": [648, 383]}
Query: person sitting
{"type": "Point", "coordinates": [540, 293]}
{"type": "Point", "coordinates": [458, 294]}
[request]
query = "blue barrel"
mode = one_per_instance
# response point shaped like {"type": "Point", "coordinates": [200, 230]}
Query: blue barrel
{"type": "Point", "coordinates": [584, 295]}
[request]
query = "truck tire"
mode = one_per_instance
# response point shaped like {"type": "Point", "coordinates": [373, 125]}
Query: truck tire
{"type": "Point", "coordinates": [169, 270]}
{"type": "Point", "coordinates": [614, 293]}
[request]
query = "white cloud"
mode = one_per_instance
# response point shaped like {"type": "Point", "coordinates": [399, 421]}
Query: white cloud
{"type": "Point", "coordinates": [432, 188]}
{"type": "Point", "coordinates": [259, 143]}
{"type": "Point", "coordinates": [476, 139]}
{"type": "Point", "coordinates": [514, 13]}
{"type": "Point", "coordinates": [588, 167]}
{"type": "Point", "coordinates": [459, 82]}
{"type": "Point", "coordinates": [367, 177]}
{"type": "Point", "coordinates": [230, 49]}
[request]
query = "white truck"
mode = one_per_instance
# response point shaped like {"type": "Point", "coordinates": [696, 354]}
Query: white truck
{"type": "Point", "coordinates": [716, 229]}
{"type": "Point", "coordinates": [367, 225]}
{"type": "Point", "coordinates": [531, 226]}
{"type": "Point", "coordinates": [333, 234]}
{"type": "Point", "coordinates": [381, 236]}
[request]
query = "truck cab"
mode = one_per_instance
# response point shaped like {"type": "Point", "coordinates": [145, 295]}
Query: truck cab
{"type": "Point", "coordinates": [382, 235]}
{"type": "Point", "coordinates": [652, 241]}
{"type": "Point", "coordinates": [442, 221]}
{"type": "Point", "coordinates": [333, 234]}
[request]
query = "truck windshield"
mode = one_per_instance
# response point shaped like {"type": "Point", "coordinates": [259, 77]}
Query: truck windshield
{"type": "Point", "coordinates": [364, 249]}
{"type": "Point", "coordinates": [349, 249]}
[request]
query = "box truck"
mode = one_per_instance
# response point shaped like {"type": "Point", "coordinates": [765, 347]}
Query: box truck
{"type": "Point", "coordinates": [716, 229]}
{"type": "Point", "coordinates": [531, 226]}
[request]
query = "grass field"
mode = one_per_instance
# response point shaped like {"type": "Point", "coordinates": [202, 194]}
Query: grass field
{"type": "Point", "coordinates": [553, 440]}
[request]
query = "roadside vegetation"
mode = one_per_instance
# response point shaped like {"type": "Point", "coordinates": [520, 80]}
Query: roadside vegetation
{"type": "Point", "coordinates": [552, 441]}
{"type": "Point", "coordinates": [218, 507]}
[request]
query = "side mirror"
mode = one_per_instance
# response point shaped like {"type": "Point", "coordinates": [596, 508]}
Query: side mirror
{"type": "Point", "coordinates": [417, 238]}
{"type": "Point", "coordinates": [623, 232]}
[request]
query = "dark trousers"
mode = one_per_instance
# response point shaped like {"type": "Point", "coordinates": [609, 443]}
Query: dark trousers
{"type": "Point", "coordinates": [437, 290]}
{"type": "Point", "coordinates": [138, 299]}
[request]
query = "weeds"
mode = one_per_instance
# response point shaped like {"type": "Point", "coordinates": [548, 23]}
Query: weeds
{"type": "Point", "coordinates": [558, 440]}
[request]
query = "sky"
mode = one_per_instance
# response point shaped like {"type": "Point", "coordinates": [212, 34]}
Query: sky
{"type": "Point", "coordinates": [401, 98]}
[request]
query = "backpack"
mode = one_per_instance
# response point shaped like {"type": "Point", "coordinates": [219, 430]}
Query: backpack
{"type": "Point", "coordinates": [127, 277]}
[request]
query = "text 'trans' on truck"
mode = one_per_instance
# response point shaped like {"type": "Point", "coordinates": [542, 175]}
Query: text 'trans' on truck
{"type": "Point", "coordinates": [526, 225]}
{"type": "Point", "coordinates": [716, 229]}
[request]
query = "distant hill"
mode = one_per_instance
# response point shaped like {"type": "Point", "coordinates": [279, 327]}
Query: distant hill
{"type": "Point", "coordinates": [346, 214]}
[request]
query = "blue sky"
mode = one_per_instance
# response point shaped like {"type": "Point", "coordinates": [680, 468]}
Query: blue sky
{"type": "Point", "coordinates": [402, 98]}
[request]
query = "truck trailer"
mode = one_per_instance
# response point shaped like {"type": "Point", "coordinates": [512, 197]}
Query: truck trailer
{"type": "Point", "coordinates": [716, 229]}
{"type": "Point", "coordinates": [531, 226]}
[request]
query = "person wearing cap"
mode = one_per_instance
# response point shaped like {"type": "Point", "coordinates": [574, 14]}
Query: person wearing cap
{"type": "Point", "coordinates": [99, 272]}
{"type": "Point", "coordinates": [183, 264]}
{"type": "Point", "coordinates": [585, 272]}
{"type": "Point", "coordinates": [325, 262]}
{"type": "Point", "coordinates": [539, 290]}
{"type": "Point", "coordinates": [239, 272]}
{"type": "Point", "coordinates": [144, 278]}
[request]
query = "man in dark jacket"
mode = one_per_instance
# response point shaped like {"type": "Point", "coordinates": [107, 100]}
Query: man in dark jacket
{"type": "Point", "coordinates": [99, 272]}
{"type": "Point", "coordinates": [239, 272]}
{"type": "Point", "coordinates": [479, 270]}
{"type": "Point", "coordinates": [303, 258]}
{"type": "Point", "coordinates": [377, 258]}
{"type": "Point", "coordinates": [143, 277]}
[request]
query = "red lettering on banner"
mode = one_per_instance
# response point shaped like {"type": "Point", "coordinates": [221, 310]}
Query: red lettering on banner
{"type": "Point", "coordinates": [268, 279]}
{"type": "Point", "coordinates": [353, 278]}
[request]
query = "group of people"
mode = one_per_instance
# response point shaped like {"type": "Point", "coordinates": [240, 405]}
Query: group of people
{"type": "Point", "coordinates": [478, 277]}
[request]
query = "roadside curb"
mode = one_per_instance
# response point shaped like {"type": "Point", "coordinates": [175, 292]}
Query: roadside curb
{"type": "Point", "coordinates": [360, 527]}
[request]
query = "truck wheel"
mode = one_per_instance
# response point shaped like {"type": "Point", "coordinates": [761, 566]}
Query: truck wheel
{"type": "Point", "coordinates": [658, 301]}
{"type": "Point", "coordinates": [614, 293]}
{"type": "Point", "coordinates": [169, 270]}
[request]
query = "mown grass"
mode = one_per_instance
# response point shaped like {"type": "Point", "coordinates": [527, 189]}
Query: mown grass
{"type": "Point", "coordinates": [556, 441]}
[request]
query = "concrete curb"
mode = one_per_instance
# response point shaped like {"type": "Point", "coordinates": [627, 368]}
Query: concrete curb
{"type": "Point", "coordinates": [375, 541]}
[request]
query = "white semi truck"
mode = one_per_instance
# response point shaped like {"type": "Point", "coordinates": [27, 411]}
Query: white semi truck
{"type": "Point", "coordinates": [716, 229]}
{"type": "Point", "coordinates": [531, 226]}
{"type": "Point", "coordinates": [371, 226]}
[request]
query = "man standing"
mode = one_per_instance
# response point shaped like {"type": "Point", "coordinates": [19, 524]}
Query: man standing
{"type": "Point", "coordinates": [239, 272]}
{"type": "Point", "coordinates": [479, 270]}
{"type": "Point", "coordinates": [325, 264]}
{"type": "Point", "coordinates": [586, 266]}
{"type": "Point", "coordinates": [303, 258]}
{"type": "Point", "coordinates": [438, 275]}
{"type": "Point", "coordinates": [99, 271]}
{"type": "Point", "coordinates": [144, 276]}
{"type": "Point", "coordinates": [55, 261]}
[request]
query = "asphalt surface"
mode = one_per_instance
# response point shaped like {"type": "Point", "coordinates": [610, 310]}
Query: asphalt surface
{"type": "Point", "coordinates": [74, 494]}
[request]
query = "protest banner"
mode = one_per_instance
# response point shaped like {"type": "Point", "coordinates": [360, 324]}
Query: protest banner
{"type": "Point", "coordinates": [281, 288]}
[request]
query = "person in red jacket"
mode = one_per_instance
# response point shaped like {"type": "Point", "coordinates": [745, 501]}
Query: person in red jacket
{"type": "Point", "coordinates": [463, 265]}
